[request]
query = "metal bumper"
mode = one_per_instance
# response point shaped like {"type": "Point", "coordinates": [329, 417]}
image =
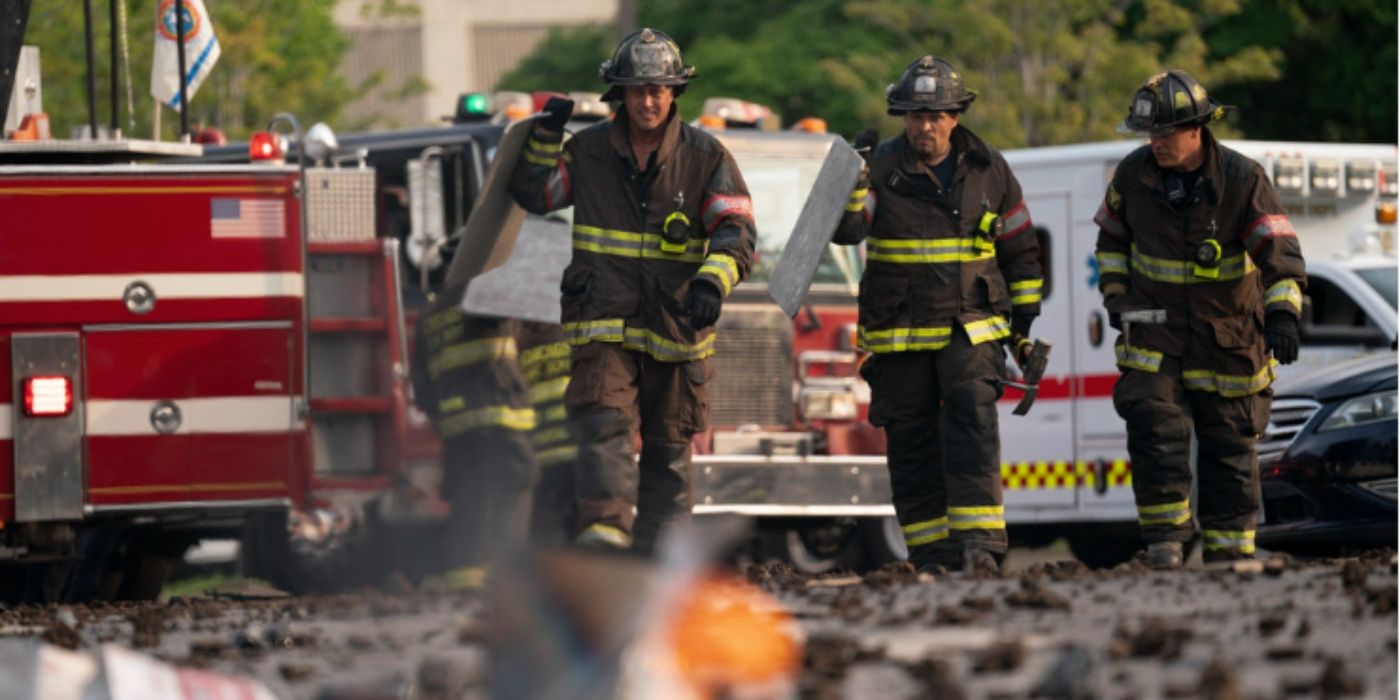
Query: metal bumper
{"type": "Point", "coordinates": [50, 481]}
{"type": "Point", "coordinates": [850, 485]}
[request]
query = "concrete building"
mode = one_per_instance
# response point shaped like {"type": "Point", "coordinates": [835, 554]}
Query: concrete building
{"type": "Point", "coordinates": [426, 52]}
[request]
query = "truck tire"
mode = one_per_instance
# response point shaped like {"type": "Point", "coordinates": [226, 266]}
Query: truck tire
{"type": "Point", "coordinates": [821, 546]}
{"type": "Point", "coordinates": [883, 542]}
{"type": "Point", "coordinates": [266, 552]}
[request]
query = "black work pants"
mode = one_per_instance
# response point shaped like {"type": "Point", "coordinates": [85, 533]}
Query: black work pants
{"type": "Point", "coordinates": [488, 477]}
{"type": "Point", "coordinates": [1161, 414]}
{"type": "Point", "coordinates": [938, 409]}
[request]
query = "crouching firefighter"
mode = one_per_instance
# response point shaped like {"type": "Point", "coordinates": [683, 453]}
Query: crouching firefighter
{"type": "Point", "coordinates": [466, 378]}
{"type": "Point", "coordinates": [951, 255]}
{"type": "Point", "coordinates": [1202, 273]}
{"type": "Point", "coordinates": [662, 232]}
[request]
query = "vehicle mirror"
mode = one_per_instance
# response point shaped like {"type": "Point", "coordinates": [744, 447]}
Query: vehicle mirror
{"type": "Point", "coordinates": [1312, 334]}
{"type": "Point", "coordinates": [427, 234]}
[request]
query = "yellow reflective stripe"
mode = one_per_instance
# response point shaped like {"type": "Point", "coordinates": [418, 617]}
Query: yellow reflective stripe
{"type": "Point", "coordinates": [545, 146]}
{"type": "Point", "coordinates": [469, 353]}
{"type": "Point", "coordinates": [994, 328]}
{"type": "Point", "coordinates": [556, 455]}
{"type": "Point", "coordinates": [1027, 284]}
{"type": "Point", "coordinates": [605, 534]}
{"type": "Point", "coordinates": [931, 250]}
{"type": "Point", "coordinates": [1165, 513]}
{"type": "Point", "coordinates": [550, 436]}
{"type": "Point", "coordinates": [976, 517]}
{"type": "Point", "coordinates": [666, 350]}
{"type": "Point", "coordinates": [1216, 540]}
{"type": "Point", "coordinates": [465, 578]}
{"type": "Point", "coordinates": [1133, 357]}
{"type": "Point", "coordinates": [857, 201]}
{"type": "Point", "coordinates": [1112, 263]}
{"type": "Point", "coordinates": [1285, 292]}
{"type": "Point", "coordinates": [552, 414]}
{"type": "Point", "coordinates": [547, 162]}
{"type": "Point", "coordinates": [904, 339]}
{"type": "Point", "coordinates": [488, 417]}
{"type": "Point", "coordinates": [1027, 291]}
{"type": "Point", "coordinates": [549, 390]}
{"type": "Point", "coordinates": [606, 331]}
{"type": "Point", "coordinates": [723, 269]}
{"type": "Point", "coordinates": [1026, 299]}
{"type": "Point", "coordinates": [629, 244]}
{"type": "Point", "coordinates": [640, 339]}
{"type": "Point", "coordinates": [543, 353]}
{"type": "Point", "coordinates": [452, 403]}
{"type": "Point", "coordinates": [925, 531]}
{"type": "Point", "coordinates": [1180, 271]}
{"type": "Point", "coordinates": [1229, 385]}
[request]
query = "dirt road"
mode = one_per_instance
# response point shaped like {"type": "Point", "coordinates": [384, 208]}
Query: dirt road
{"type": "Point", "coordinates": [1050, 629]}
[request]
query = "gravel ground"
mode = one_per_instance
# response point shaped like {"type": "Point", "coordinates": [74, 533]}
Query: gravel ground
{"type": "Point", "coordinates": [1275, 629]}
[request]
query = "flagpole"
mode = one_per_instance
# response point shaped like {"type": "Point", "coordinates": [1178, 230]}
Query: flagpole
{"type": "Point", "coordinates": [155, 120]}
{"type": "Point", "coordinates": [180, 51]}
{"type": "Point", "coordinates": [91, 76]}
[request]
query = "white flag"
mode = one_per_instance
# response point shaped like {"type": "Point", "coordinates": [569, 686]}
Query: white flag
{"type": "Point", "coordinates": [201, 51]}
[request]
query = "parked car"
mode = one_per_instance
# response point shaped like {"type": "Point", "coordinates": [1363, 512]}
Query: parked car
{"type": "Point", "coordinates": [1328, 460]}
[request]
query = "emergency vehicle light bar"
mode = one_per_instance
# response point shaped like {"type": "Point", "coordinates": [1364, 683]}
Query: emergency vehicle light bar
{"type": "Point", "coordinates": [265, 145]}
{"type": "Point", "coordinates": [48, 396]}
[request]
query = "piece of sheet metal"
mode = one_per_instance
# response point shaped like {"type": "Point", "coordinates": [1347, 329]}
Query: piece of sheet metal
{"type": "Point", "coordinates": [527, 285]}
{"type": "Point", "coordinates": [792, 275]}
{"type": "Point", "coordinates": [486, 240]}
{"type": "Point", "coordinates": [48, 450]}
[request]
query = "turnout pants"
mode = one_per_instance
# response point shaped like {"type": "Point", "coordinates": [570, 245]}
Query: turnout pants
{"type": "Point", "coordinates": [488, 478]}
{"type": "Point", "coordinates": [938, 409]}
{"type": "Point", "coordinates": [1161, 415]}
{"type": "Point", "coordinates": [544, 362]}
{"type": "Point", "coordinates": [613, 394]}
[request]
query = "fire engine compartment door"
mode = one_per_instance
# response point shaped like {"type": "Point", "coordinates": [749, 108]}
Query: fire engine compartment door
{"type": "Point", "coordinates": [48, 450]}
{"type": "Point", "coordinates": [190, 413]}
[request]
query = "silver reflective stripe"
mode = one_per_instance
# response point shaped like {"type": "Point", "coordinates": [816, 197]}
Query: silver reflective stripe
{"type": "Point", "coordinates": [1138, 358]}
{"type": "Point", "coordinates": [1165, 513]}
{"type": "Point", "coordinates": [1112, 263]}
{"type": "Point", "coordinates": [925, 531]}
{"type": "Point", "coordinates": [977, 518]}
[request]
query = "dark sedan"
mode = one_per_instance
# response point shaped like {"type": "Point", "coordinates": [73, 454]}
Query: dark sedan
{"type": "Point", "coordinates": [1328, 460]}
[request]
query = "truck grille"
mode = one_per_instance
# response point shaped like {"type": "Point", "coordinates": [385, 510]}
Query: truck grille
{"type": "Point", "coordinates": [753, 368]}
{"type": "Point", "coordinates": [1286, 418]}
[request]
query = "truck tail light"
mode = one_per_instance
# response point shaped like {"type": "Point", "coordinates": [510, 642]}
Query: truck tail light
{"type": "Point", "coordinates": [48, 396]}
{"type": "Point", "coordinates": [265, 145]}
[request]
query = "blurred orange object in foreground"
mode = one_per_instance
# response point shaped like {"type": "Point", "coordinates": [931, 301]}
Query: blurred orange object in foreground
{"type": "Point", "coordinates": [728, 635]}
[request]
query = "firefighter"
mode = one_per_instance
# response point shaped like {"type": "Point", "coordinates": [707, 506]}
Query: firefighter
{"type": "Point", "coordinates": [953, 272]}
{"type": "Point", "coordinates": [1194, 229]}
{"type": "Point", "coordinates": [465, 376]}
{"type": "Point", "coordinates": [662, 232]}
{"type": "Point", "coordinates": [544, 362]}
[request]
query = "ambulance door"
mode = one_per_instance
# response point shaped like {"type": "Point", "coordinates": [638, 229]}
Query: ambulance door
{"type": "Point", "coordinates": [1038, 468]}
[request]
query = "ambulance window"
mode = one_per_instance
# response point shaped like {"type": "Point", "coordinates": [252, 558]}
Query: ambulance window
{"type": "Point", "coordinates": [1042, 235]}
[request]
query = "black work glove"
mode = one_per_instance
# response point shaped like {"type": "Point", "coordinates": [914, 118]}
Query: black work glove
{"type": "Point", "coordinates": [1281, 336]}
{"type": "Point", "coordinates": [1021, 324]}
{"type": "Point", "coordinates": [701, 304]}
{"type": "Point", "coordinates": [556, 113]}
{"type": "Point", "coordinates": [1115, 319]}
{"type": "Point", "coordinates": [865, 144]}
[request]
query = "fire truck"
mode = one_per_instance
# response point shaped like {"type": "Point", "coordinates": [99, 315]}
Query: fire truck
{"type": "Point", "coordinates": [791, 445]}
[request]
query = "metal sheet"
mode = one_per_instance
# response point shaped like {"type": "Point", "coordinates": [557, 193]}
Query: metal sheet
{"type": "Point", "coordinates": [487, 238]}
{"type": "Point", "coordinates": [527, 285]}
{"type": "Point", "coordinates": [813, 485]}
{"type": "Point", "coordinates": [48, 451]}
{"type": "Point", "coordinates": [815, 226]}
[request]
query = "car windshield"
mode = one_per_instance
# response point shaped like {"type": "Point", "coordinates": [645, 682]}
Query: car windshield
{"type": "Point", "coordinates": [1382, 279]}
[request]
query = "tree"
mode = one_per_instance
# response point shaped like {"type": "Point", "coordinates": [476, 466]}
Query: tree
{"type": "Point", "coordinates": [278, 56]}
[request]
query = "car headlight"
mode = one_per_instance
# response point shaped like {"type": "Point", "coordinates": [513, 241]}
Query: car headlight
{"type": "Point", "coordinates": [1362, 410]}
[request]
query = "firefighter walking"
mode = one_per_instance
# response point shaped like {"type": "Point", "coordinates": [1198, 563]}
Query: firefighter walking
{"type": "Point", "coordinates": [953, 272]}
{"type": "Point", "coordinates": [466, 378]}
{"type": "Point", "coordinates": [1202, 273]}
{"type": "Point", "coordinates": [662, 232]}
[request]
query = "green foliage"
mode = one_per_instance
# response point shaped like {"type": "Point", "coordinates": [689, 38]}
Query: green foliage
{"type": "Point", "coordinates": [277, 56]}
{"type": "Point", "coordinates": [1048, 71]}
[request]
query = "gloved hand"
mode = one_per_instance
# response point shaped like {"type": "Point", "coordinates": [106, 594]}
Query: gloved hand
{"type": "Point", "coordinates": [557, 111]}
{"type": "Point", "coordinates": [1115, 318]}
{"type": "Point", "coordinates": [1021, 324]}
{"type": "Point", "coordinates": [1281, 336]}
{"type": "Point", "coordinates": [701, 304]}
{"type": "Point", "coordinates": [865, 144]}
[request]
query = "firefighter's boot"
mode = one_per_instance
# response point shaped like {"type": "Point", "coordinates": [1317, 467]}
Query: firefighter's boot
{"type": "Point", "coordinates": [1164, 555]}
{"type": "Point", "coordinates": [664, 495]}
{"type": "Point", "coordinates": [976, 561]}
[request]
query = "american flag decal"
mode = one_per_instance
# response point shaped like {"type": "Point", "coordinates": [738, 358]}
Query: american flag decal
{"type": "Point", "coordinates": [240, 217]}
